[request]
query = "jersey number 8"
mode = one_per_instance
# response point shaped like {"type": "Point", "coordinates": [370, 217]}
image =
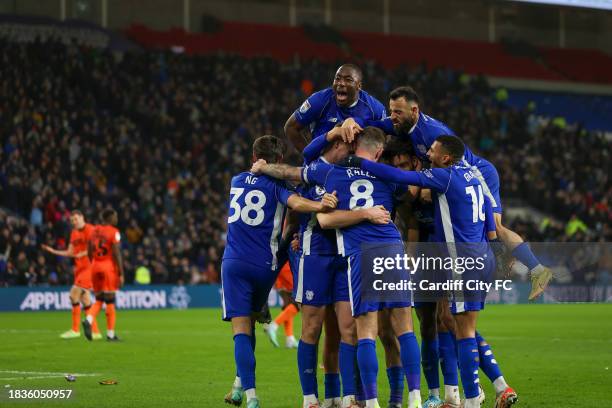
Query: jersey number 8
{"type": "Point", "coordinates": [361, 190]}
{"type": "Point", "coordinates": [249, 208]}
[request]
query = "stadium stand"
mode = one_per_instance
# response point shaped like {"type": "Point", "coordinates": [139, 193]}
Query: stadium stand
{"type": "Point", "coordinates": [158, 136]}
{"type": "Point", "coordinates": [473, 57]}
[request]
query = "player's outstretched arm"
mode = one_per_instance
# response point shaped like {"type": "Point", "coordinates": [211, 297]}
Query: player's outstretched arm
{"type": "Point", "coordinates": [301, 204]}
{"type": "Point", "coordinates": [277, 171]}
{"type": "Point", "coordinates": [391, 174]}
{"type": "Point", "coordinates": [345, 218]}
{"type": "Point", "coordinates": [295, 133]}
{"type": "Point", "coordinates": [66, 252]}
{"type": "Point", "coordinates": [386, 125]}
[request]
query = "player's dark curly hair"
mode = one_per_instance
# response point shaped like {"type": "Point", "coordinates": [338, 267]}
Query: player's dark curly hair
{"type": "Point", "coordinates": [453, 146]}
{"type": "Point", "coordinates": [268, 147]}
{"type": "Point", "coordinates": [396, 147]}
{"type": "Point", "coordinates": [405, 92]}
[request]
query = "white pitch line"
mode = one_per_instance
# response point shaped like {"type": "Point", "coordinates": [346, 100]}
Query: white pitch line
{"type": "Point", "coordinates": [40, 377]}
{"type": "Point", "coordinates": [46, 373]}
{"type": "Point", "coordinates": [17, 331]}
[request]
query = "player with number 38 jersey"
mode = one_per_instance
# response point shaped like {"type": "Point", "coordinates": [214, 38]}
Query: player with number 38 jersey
{"type": "Point", "coordinates": [249, 269]}
{"type": "Point", "coordinates": [256, 211]}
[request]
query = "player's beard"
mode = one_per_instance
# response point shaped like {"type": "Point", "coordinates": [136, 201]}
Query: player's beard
{"type": "Point", "coordinates": [404, 127]}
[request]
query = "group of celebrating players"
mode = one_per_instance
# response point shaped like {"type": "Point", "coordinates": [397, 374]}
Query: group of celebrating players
{"type": "Point", "coordinates": [365, 178]}
{"type": "Point", "coordinates": [97, 265]}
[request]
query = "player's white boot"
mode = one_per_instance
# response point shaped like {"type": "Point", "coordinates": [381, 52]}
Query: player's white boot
{"type": "Point", "coordinates": [310, 401]}
{"type": "Point", "coordinates": [481, 395]}
{"type": "Point", "coordinates": [291, 342]}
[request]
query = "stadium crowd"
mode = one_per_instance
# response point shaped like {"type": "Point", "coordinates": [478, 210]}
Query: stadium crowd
{"type": "Point", "coordinates": [158, 136]}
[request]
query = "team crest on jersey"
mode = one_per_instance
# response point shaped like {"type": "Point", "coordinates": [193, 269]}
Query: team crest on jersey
{"type": "Point", "coordinates": [319, 190]}
{"type": "Point", "coordinates": [309, 295]}
{"type": "Point", "coordinates": [422, 148]}
{"type": "Point", "coordinates": [305, 106]}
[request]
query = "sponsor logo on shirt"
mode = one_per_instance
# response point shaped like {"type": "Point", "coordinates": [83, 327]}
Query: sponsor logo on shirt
{"type": "Point", "coordinates": [319, 191]}
{"type": "Point", "coordinates": [305, 106]}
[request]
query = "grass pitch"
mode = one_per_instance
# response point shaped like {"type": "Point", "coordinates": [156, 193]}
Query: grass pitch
{"type": "Point", "coordinates": [553, 355]}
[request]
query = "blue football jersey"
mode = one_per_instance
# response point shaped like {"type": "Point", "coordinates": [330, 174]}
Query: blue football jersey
{"type": "Point", "coordinates": [313, 238]}
{"type": "Point", "coordinates": [255, 219]}
{"type": "Point", "coordinates": [422, 136]}
{"type": "Point", "coordinates": [357, 189]}
{"type": "Point", "coordinates": [321, 112]}
{"type": "Point", "coordinates": [461, 210]}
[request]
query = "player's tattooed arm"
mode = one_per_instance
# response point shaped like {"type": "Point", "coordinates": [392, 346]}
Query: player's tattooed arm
{"type": "Point", "coordinates": [301, 204]}
{"type": "Point", "coordinates": [344, 218]}
{"type": "Point", "coordinates": [296, 133]}
{"type": "Point", "coordinates": [278, 171]}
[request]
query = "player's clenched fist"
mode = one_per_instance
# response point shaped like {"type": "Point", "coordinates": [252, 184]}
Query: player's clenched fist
{"type": "Point", "coordinates": [329, 202]}
{"type": "Point", "coordinates": [378, 215]}
{"type": "Point", "coordinates": [258, 166]}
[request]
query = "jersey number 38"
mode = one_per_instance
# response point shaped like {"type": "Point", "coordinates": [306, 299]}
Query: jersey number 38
{"type": "Point", "coordinates": [252, 212]}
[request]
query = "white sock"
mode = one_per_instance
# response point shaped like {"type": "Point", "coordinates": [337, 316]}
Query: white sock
{"type": "Point", "coordinates": [414, 398]}
{"type": "Point", "coordinates": [237, 382]}
{"type": "Point", "coordinates": [110, 333]}
{"type": "Point", "coordinates": [90, 319]}
{"type": "Point", "coordinates": [273, 326]}
{"type": "Point", "coordinates": [310, 399]}
{"type": "Point", "coordinates": [536, 269]}
{"type": "Point", "coordinates": [472, 403]}
{"type": "Point", "coordinates": [250, 394]}
{"type": "Point", "coordinates": [451, 394]}
{"type": "Point", "coordinates": [372, 403]}
{"type": "Point", "coordinates": [435, 392]}
{"type": "Point", "coordinates": [500, 385]}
